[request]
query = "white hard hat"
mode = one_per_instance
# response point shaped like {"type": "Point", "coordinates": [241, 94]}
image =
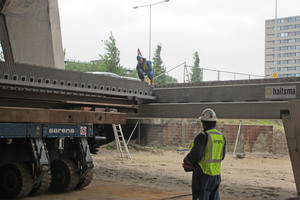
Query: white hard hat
{"type": "Point", "coordinates": [208, 115]}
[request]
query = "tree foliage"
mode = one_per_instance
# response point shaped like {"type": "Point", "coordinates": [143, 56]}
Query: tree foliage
{"type": "Point", "coordinates": [158, 67]}
{"type": "Point", "coordinates": [197, 73]}
{"type": "Point", "coordinates": [160, 70]}
{"type": "Point", "coordinates": [109, 61]}
{"type": "Point", "coordinates": [133, 74]}
{"type": "Point", "coordinates": [111, 58]}
{"type": "Point", "coordinates": [171, 79]}
{"type": "Point", "coordinates": [84, 67]}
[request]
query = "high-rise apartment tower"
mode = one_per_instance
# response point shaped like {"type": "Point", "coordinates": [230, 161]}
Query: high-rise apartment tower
{"type": "Point", "coordinates": [282, 47]}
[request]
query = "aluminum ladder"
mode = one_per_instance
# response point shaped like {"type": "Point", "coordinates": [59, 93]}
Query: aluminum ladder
{"type": "Point", "coordinates": [120, 141]}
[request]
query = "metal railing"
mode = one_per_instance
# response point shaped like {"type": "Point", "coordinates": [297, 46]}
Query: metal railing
{"type": "Point", "coordinates": [182, 73]}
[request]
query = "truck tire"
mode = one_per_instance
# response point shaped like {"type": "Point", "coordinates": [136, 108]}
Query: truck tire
{"type": "Point", "coordinates": [64, 175]}
{"type": "Point", "coordinates": [43, 186]}
{"type": "Point", "coordinates": [16, 180]}
{"type": "Point", "coordinates": [86, 180]}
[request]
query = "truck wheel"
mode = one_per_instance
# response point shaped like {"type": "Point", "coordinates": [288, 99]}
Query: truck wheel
{"type": "Point", "coordinates": [44, 185]}
{"type": "Point", "coordinates": [64, 175]}
{"type": "Point", "coordinates": [86, 180]}
{"type": "Point", "coordinates": [15, 180]}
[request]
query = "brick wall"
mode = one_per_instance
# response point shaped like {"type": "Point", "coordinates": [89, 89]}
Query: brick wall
{"type": "Point", "coordinates": [180, 133]}
{"type": "Point", "coordinates": [255, 138]}
{"type": "Point", "coordinates": [169, 132]}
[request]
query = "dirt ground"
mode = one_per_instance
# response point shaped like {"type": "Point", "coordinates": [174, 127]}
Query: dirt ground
{"type": "Point", "coordinates": [254, 177]}
{"type": "Point", "coordinates": [157, 174]}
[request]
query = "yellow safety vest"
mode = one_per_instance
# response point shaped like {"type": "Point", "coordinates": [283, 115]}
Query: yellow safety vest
{"type": "Point", "coordinates": [145, 66]}
{"type": "Point", "coordinates": [210, 162]}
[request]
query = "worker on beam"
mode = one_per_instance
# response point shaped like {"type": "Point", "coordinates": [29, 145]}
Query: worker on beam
{"type": "Point", "coordinates": [204, 159]}
{"type": "Point", "coordinates": [144, 67]}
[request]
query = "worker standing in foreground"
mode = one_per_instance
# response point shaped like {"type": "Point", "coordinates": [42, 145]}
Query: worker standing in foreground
{"type": "Point", "coordinates": [204, 159]}
{"type": "Point", "coordinates": [144, 67]}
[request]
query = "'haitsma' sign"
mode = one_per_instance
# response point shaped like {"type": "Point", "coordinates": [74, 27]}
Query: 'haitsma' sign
{"type": "Point", "coordinates": [279, 92]}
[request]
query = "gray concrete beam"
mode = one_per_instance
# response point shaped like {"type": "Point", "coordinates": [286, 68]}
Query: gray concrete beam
{"type": "Point", "coordinates": [224, 110]}
{"type": "Point", "coordinates": [16, 76]}
{"type": "Point", "coordinates": [232, 91]}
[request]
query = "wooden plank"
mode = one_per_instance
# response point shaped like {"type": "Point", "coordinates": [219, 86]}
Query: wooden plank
{"type": "Point", "coordinates": [54, 116]}
{"type": "Point", "coordinates": [86, 117]}
{"type": "Point", "coordinates": [10, 114]}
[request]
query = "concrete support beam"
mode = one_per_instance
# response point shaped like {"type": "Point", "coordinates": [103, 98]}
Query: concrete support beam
{"type": "Point", "coordinates": [33, 33]}
{"type": "Point", "coordinates": [225, 110]}
{"type": "Point", "coordinates": [5, 41]}
{"type": "Point", "coordinates": [232, 91]}
{"type": "Point", "coordinates": [292, 132]}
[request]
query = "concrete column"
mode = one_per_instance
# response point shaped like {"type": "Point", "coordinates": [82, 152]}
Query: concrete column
{"type": "Point", "coordinates": [4, 40]}
{"type": "Point", "coordinates": [34, 33]}
{"type": "Point", "coordinates": [292, 132]}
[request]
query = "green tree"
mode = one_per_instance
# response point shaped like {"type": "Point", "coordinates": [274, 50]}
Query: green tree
{"type": "Point", "coordinates": [197, 73]}
{"type": "Point", "coordinates": [171, 79]}
{"type": "Point", "coordinates": [160, 70]}
{"type": "Point", "coordinates": [158, 67]}
{"type": "Point", "coordinates": [84, 67]}
{"type": "Point", "coordinates": [133, 74]}
{"type": "Point", "coordinates": [111, 58]}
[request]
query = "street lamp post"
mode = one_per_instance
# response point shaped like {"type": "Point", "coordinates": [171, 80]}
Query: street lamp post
{"type": "Point", "coordinates": [275, 36]}
{"type": "Point", "coordinates": [150, 6]}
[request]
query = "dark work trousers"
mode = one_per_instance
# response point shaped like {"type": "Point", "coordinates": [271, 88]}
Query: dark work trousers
{"type": "Point", "coordinates": [205, 187]}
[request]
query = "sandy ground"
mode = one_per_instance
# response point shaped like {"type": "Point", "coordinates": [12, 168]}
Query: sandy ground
{"type": "Point", "coordinates": [254, 177]}
{"type": "Point", "coordinates": [156, 174]}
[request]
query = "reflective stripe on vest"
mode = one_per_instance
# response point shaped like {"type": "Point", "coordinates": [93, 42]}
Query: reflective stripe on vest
{"type": "Point", "coordinates": [210, 162]}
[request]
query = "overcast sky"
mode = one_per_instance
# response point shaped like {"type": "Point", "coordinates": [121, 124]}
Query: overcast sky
{"type": "Point", "coordinates": [229, 35]}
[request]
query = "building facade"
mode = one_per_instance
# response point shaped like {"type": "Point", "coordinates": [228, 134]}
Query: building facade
{"type": "Point", "coordinates": [282, 47]}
